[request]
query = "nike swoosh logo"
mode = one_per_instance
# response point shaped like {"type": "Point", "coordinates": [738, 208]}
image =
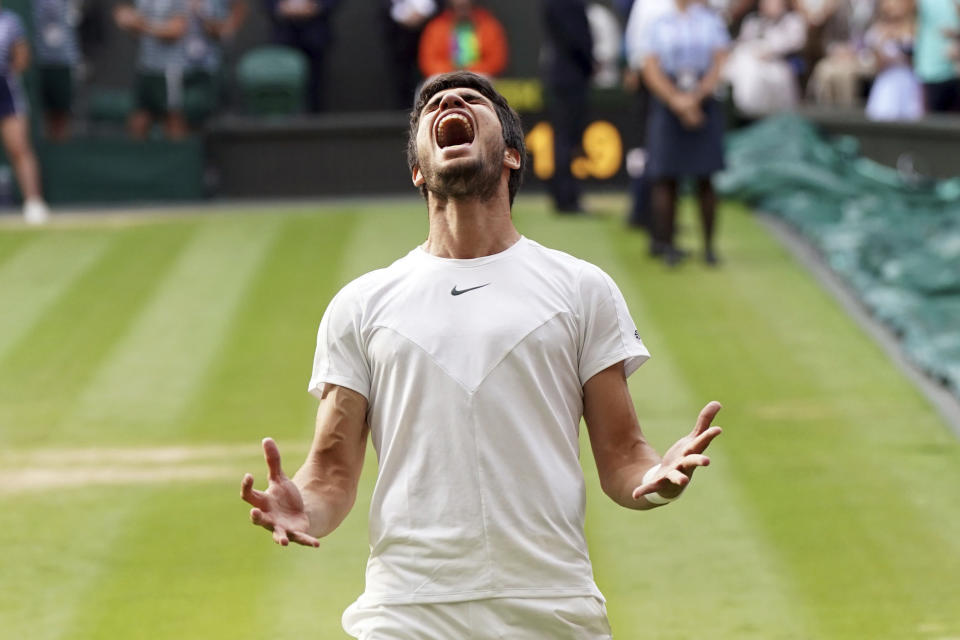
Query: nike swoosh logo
{"type": "Point", "coordinates": [457, 292]}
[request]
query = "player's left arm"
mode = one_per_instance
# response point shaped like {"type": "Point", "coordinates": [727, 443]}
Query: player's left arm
{"type": "Point", "coordinates": [624, 456]}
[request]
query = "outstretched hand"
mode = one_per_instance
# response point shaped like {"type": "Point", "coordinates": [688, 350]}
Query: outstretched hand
{"type": "Point", "coordinates": [683, 458]}
{"type": "Point", "coordinates": [280, 508]}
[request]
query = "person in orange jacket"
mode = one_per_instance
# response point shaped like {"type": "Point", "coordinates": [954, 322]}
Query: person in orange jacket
{"type": "Point", "coordinates": [463, 36]}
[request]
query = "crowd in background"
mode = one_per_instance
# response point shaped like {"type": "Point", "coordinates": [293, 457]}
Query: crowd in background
{"type": "Point", "coordinates": [898, 59]}
{"type": "Point", "coordinates": [901, 58]}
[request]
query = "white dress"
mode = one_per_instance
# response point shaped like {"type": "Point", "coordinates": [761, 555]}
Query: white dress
{"type": "Point", "coordinates": [896, 93]}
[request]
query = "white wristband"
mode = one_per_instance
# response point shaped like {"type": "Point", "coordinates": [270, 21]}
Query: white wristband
{"type": "Point", "coordinates": [655, 497]}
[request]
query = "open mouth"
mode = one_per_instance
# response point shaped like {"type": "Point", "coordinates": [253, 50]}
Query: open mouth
{"type": "Point", "coordinates": [454, 129]}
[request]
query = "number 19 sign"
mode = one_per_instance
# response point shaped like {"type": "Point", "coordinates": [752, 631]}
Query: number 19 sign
{"type": "Point", "coordinates": [602, 148]}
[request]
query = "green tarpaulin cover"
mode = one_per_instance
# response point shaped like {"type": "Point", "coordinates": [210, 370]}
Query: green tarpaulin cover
{"type": "Point", "coordinates": [894, 238]}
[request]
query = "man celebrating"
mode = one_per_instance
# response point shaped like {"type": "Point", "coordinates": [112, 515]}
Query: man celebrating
{"type": "Point", "coordinates": [471, 361]}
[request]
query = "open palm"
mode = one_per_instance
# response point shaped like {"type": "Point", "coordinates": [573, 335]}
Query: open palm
{"type": "Point", "coordinates": [683, 458]}
{"type": "Point", "coordinates": [280, 508]}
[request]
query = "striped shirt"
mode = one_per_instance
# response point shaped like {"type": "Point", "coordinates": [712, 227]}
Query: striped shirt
{"type": "Point", "coordinates": [55, 22]}
{"type": "Point", "coordinates": [204, 52]}
{"type": "Point", "coordinates": [684, 42]}
{"type": "Point", "coordinates": [11, 32]}
{"type": "Point", "coordinates": [158, 55]}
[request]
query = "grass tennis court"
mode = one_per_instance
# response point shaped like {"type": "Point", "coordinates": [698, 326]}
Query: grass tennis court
{"type": "Point", "coordinates": [143, 358]}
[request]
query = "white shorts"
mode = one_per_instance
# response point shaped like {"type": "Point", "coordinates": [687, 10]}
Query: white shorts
{"type": "Point", "coordinates": [576, 618]}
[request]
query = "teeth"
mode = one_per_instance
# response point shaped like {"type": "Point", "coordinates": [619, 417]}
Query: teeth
{"type": "Point", "coordinates": [462, 119]}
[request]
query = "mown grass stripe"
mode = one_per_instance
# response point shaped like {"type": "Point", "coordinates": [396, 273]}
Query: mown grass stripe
{"type": "Point", "coordinates": [33, 279]}
{"type": "Point", "coordinates": [55, 358]}
{"type": "Point", "coordinates": [257, 384]}
{"type": "Point", "coordinates": [812, 404]}
{"type": "Point", "coordinates": [654, 564]}
{"type": "Point", "coordinates": [276, 320]}
{"type": "Point", "coordinates": [154, 370]}
{"type": "Point", "coordinates": [378, 236]}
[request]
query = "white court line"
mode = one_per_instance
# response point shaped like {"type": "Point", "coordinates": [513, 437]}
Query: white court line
{"type": "Point", "coordinates": [48, 469]}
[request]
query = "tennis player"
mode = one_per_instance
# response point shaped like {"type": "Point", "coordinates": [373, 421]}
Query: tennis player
{"type": "Point", "coordinates": [470, 362]}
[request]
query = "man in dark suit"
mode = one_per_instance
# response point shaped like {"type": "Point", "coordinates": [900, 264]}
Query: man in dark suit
{"type": "Point", "coordinates": [568, 66]}
{"type": "Point", "coordinates": [305, 25]}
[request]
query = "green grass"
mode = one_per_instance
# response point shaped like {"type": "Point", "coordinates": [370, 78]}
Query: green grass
{"type": "Point", "coordinates": [141, 363]}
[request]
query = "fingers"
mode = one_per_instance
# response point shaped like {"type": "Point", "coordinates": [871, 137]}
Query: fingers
{"type": "Point", "coordinates": [260, 518]}
{"type": "Point", "coordinates": [707, 414]}
{"type": "Point", "coordinates": [303, 538]}
{"type": "Point", "coordinates": [272, 455]}
{"type": "Point", "coordinates": [251, 495]}
{"type": "Point", "coordinates": [645, 489]}
{"type": "Point", "coordinates": [677, 477]}
{"type": "Point", "coordinates": [689, 463]}
{"type": "Point", "coordinates": [281, 536]}
{"type": "Point", "coordinates": [703, 441]}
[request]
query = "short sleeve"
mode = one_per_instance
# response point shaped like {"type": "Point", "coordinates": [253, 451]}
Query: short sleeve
{"type": "Point", "coordinates": [340, 357]}
{"type": "Point", "coordinates": [720, 34]}
{"type": "Point", "coordinates": [608, 334]}
{"type": "Point", "coordinates": [650, 42]}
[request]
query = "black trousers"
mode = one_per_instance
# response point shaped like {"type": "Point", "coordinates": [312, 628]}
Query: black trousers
{"type": "Point", "coordinates": [568, 117]}
{"type": "Point", "coordinates": [402, 49]}
{"type": "Point", "coordinates": [312, 39]}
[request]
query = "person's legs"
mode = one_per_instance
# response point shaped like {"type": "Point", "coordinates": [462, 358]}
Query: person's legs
{"type": "Point", "coordinates": [145, 104]}
{"type": "Point", "coordinates": [568, 110]}
{"type": "Point", "coordinates": [15, 132]}
{"type": "Point", "coordinates": [56, 91]}
{"type": "Point", "coordinates": [708, 217]}
{"type": "Point", "coordinates": [639, 215]}
{"type": "Point", "coordinates": [174, 122]}
{"type": "Point", "coordinates": [16, 142]}
{"type": "Point", "coordinates": [664, 219]}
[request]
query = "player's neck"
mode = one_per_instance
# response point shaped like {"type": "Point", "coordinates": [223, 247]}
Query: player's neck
{"type": "Point", "coordinates": [469, 228]}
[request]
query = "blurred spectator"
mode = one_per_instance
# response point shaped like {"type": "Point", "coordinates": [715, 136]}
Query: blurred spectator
{"type": "Point", "coordinates": [936, 21]}
{"type": "Point", "coordinates": [58, 55]}
{"type": "Point", "coordinates": [684, 53]}
{"type": "Point", "coordinates": [14, 125]}
{"type": "Point", "coordinates": [642, 14]}
{"type": "Point", "coordinates": [820, 17]}
{"type": "Point", "coordinates": [210, 24]}
{"type": "Point", "coordinates": [463, 36]}
{"type": "Point", "coordinates": [837, 78]}
{"type": "Point", "coordinates": [403, 22]}
{"type": "Point", "coordinates": [607, 45]}
{"type": "Point", "coordinates": [158, 88]}
{"type": "Point", "coordinates": [568, 64]}
{"type": "Point", "coordinates": [305, 25]}
{"type": "Point", "coordinates": [763, 65]}
{"type": "Point", "coordinates": [896, 93]}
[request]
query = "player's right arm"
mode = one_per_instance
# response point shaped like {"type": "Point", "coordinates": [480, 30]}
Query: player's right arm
{"type": "Point", "coordinates": [320, 495]}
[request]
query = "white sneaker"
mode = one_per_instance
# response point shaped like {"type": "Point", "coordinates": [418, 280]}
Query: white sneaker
{"type": "Point", "coordinates": [35, 211]}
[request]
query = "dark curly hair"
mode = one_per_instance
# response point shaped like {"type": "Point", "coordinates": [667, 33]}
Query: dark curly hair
{"type": "Point", "coordinates": [509, 120]}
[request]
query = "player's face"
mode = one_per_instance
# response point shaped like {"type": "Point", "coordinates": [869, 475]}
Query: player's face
{"type": "Point", "coordinates": [460, 147]}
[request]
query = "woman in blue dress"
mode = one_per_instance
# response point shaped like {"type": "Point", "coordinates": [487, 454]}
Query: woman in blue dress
{"type": "Point", "coordinates": [683, 55]}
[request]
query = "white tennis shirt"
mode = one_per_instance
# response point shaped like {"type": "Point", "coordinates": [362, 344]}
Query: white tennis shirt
{"type": "Point", "coordinates": [474, 372]}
